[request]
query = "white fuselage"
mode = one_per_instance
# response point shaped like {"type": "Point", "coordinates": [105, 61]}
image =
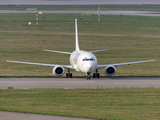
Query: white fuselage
{"type": "Point", "coordinates": [83, 61]}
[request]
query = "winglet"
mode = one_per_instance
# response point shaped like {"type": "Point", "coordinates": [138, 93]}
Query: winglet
{"type": "Point", "coordinates": [76, 35]}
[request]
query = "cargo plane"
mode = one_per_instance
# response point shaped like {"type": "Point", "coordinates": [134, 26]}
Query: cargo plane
{"type": "Point", "coordinates": [81, 61]}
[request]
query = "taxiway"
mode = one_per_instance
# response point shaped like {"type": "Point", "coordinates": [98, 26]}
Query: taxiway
{"type": "Point", "coordinates": [74, 83]}
{"type": "Point", "coordinates": [25, 116]}
{"type": "Point", "coordinates": [77, 2]}
{"type": "Point", "coordinates": [127, 13]}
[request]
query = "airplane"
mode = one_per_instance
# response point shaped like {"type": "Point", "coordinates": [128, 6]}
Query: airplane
{"type": "Point", "coordinates": [81, 61]}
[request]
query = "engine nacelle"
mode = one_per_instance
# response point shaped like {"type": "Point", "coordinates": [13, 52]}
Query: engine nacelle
{"type": "Point", "coordinates": [58, 70]}
{"type": "Point", "coordinates": [110, 70]}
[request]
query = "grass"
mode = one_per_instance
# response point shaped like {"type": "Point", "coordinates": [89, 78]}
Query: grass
{"type": "Point", "coordinates": [82, 7]}
{"type": "Point", "coordinates": [128, 39]}
{"type": "Point", "coordinates": [106, 104]}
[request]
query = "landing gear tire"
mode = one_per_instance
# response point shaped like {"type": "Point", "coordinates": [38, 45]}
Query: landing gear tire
{"type": "Point", "coordinates": [69, 75]}
{"type": "Point", "coordinates": [88, 78]}
{"type": "Point", "coordinates": [96, 75]}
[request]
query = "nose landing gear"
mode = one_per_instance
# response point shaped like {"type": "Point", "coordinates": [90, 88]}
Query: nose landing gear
{"type": "Point", "coordinates": [88, 76]}
{"type": "Point", "coordinates": [95, 75]}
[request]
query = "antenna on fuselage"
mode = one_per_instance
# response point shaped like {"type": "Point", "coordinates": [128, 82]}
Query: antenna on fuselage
{"type": "Point", "coordinates": [76, 35]}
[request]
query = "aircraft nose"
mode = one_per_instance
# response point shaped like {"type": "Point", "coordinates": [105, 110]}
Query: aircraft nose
{"type": "Point", "coordinates": [90, 67]}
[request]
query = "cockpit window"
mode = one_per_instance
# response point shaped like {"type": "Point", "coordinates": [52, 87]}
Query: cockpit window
{"type": "Point", "coordinates": [88, 59]}
{"type": "Point", "coordinates": [91, 59]}
{"type": "Point", "coordinates": [85, 59]}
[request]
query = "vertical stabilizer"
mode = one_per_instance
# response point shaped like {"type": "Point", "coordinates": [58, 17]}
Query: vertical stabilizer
{"type": "Point", "coordinates": [76, 35]}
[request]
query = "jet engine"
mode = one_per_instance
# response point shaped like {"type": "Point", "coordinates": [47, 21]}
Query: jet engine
{"type": "Point", "coordinates": [58, 70]}
{"type": "Point", "coordinates": [110, 70]}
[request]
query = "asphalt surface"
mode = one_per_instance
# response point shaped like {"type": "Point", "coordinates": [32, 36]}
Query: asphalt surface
{"type": "Point", "coordinates": [128, 13]}
{"type": "Point", "coordinates": [26, 116]}
{"type": "Point", "coordinates": [73, 83]}
{"type": "Point", "coordinates": [76, 2]}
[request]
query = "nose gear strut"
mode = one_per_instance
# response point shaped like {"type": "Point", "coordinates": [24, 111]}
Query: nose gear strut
{"type": "Point", "coordinates": [88, 76]}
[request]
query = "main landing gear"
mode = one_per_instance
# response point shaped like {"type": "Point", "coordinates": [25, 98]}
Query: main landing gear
{"type": "Point", "coordinates": [96, 74]}
{"type": "Point", "coordinates": [68, 75]}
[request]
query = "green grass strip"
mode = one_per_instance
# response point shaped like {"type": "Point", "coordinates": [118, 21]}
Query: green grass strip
{"type": "Point", "coordinates": [106, 104]}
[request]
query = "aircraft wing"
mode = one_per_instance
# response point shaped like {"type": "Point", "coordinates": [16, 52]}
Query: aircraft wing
{"type": "Point", "coordinates": [43, 64]}
{"type": "Point", "coordinates": [128, 63]}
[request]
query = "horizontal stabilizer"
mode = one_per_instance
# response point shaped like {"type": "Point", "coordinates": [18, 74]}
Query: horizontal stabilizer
{"type": "Point", "coordinates": [57, 51]}
{"type": "Point", "coordinates": [98, 50]}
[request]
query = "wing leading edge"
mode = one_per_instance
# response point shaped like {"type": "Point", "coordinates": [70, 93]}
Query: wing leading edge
{"type": "Point", "coordinates": [43, 64]}
{"type": "Point", "coordinates": [71, 67]}
{"type": "Point", "coordinates": [127, 63]}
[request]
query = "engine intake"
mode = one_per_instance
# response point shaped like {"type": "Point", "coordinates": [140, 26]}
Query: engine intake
{"type": "Point", "coordinates": [110, 70]}
{"type": "Point", "coordinates": [58, 70]}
